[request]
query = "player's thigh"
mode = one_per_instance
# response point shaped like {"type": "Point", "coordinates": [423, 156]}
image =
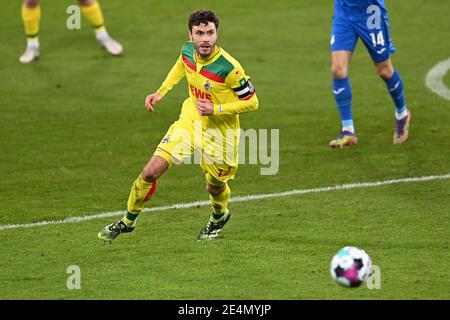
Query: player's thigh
{"type": "Point", "coordinates": [377, 39]}
{"type": "Point", "coordinates": [177, 144]}
{"type": "Point", "coordinates": [343, 37]}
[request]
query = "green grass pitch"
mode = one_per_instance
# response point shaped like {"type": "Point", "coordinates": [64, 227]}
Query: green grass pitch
{"type": "Point", "coordinates": [74, 135]}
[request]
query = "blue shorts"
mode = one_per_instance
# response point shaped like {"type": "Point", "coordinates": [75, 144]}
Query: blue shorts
{"type": "Point", "coordinates": [345, 34]}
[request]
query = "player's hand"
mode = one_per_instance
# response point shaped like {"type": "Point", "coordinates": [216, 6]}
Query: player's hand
{"type": "Point", "coordinates": [151, 100]}
{"type": "Point", "coordinates": [205, 107]}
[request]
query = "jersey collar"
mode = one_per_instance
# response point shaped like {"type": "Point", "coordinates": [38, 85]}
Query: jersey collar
{"type": "Point", "coordinates": [209, 59]}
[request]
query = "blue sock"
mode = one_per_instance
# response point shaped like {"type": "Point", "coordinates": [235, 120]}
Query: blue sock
{"type": "Point", "coordinates": [343, 95]}
{"type": "Point", "coordinates": [395, 87]}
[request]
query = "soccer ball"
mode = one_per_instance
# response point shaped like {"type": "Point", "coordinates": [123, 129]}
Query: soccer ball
{"type": "Point", "coordinates": [351, 267]}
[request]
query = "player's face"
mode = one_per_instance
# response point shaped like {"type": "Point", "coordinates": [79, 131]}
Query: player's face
{"type": "Point", "coordinates": [204, 38]}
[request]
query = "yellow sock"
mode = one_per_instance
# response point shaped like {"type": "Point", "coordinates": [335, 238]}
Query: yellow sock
{"type": "Point", "coordinates": [31, 19]}
{"type": "Point", "coordinates": [219, 203]}
{"type": "Point", "coordinates": [141, 191]}
{"type": "Point", "coordinates": [93, 14]}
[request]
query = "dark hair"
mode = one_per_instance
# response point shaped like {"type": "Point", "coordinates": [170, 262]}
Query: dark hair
{"type": "Point", "coordinates": [203, 16]}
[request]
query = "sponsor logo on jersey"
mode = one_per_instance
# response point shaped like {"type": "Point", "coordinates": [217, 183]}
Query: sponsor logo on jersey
{"type": "Point", "coordinates": [199, 94]}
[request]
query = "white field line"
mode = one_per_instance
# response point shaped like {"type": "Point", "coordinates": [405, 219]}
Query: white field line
{"type": "Point", "coordinates": [360, 185]}
{"type": "Point", "coordinates": [435, 79]}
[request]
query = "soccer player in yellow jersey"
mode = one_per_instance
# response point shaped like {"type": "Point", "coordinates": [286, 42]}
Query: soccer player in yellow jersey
{"type": "Point", "coordinates": [219, 90]}
{"type": "Point", "coordinates": [31, 16]}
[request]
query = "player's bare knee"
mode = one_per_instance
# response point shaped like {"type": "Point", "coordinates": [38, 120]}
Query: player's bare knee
{"type": "Point", "coordinates": [338, 71]}
{"type": "Point", "coordinates": [385, 70]}
{"type": "Point", "coordinates": [31, 3]}
{"type": "Point", "coordinates": [385, 73]}
{"type": "Point", "coordinates": [151, 173]}
{"type": "Point", "coordinates": [214, 190]}
{"type": "Point", "coordinates": [154, 169]}
{"type": "Point", "coordinates": [86, 3]}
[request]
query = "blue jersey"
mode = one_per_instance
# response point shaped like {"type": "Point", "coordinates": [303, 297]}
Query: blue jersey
{"type": "Point", "coordinates": [354, 9]}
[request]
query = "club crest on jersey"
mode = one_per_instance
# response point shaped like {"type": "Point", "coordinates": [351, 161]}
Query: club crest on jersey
{"type": "Point", "coordinates": [208, 86]}
{"type": "Point", "coordinates": [166, 139]}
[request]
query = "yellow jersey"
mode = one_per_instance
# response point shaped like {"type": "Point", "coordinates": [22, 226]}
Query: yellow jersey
{"type": "Point", "coordinates": [222, 80]}
{"type": "Point", "coordinates": [219, 78]}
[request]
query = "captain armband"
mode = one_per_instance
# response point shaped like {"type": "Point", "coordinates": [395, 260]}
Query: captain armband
{"type": "Point", "coordinates": [245, 91]}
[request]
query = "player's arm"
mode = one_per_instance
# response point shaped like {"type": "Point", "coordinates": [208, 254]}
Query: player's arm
{"type": "Point", "coordinates": [175, 75]}
{"type": "Point", "coordinates": [243, 88]}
